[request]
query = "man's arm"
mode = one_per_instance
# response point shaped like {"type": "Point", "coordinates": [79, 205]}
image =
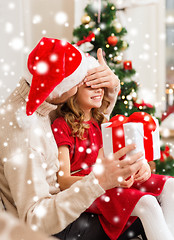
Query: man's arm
{"type": "Point", "coordinates": [49, 213]}
{"type": "Point", "coordinates": [12, 228]}
{"type": "Point", "coordinates": [27, 180]}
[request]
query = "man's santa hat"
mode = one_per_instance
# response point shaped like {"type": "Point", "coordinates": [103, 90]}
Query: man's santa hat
{"type": "Point", "coordinates": [55, 67]}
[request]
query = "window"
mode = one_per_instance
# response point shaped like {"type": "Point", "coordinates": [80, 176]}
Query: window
{"type": "Point", "coordinates": [169, 53]}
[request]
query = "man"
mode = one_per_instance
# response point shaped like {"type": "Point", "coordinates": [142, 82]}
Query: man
{"type": "Point", "coordinates": [28, 152]}
{"type": "Point", "coordinates": [12, 228]}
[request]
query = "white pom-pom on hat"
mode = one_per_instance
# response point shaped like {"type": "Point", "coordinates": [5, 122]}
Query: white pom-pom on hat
{"type": "Point", "coordinates": [23, 120]}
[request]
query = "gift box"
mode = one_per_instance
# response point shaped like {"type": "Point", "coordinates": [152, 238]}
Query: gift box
{"type": "Point", "coordinates": [139, 128]}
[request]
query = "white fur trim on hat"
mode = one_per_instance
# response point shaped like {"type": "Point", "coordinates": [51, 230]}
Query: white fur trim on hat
{"type": "Point", "coordinates": [23, 120]}
{"type": "Point", "coordinates": [87, 63]}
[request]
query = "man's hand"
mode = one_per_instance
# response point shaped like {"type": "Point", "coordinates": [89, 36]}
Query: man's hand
{"type": "Point", "coordinates": [144, 173]}
{"type": "Point", "coordinates": [117, 173]}
{"type": "Point", "coordinates": [102, 76]}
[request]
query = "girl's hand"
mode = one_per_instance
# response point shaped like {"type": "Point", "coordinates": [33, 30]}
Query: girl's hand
{"type": "Point", "coordinates": [116, 173]}
{"type": "Point", "coordinates": [102, 76]}
{"type": "Point", "coordinates": [143, 174]}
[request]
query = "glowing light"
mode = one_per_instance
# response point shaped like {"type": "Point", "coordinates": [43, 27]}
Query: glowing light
{"type": "Point", "coordinates": [129, 141]}
{"type": "Point", "coordinates": [116, 219]}
{"type": "Point", "coordinates": [170, 19]}
{"type": "Point", "coordinates": [147, 35]}
{"type": "Point", "coordinates": [31, 156]}
{"type": "Point", "coordinates": [40, 211]}
{"type": "Point", "coordinates": [44, 165]}
{"type": "Point", "coordinates": [165, 132]}
{"type": "Point", "coordinates": [38, 131]}
{"type": "Point", "coordinates": [119, 133]}
{"type": "Point", "coordinates": [88, 150]}
{"type": "Point", "coordinates": [76, 189]}
{"type": "Point", "coordinates": [144, 56]}
{"type": "Point", "coordinates": [80, 149]}
{"type": "Point", "coordinates": [11, 5]}
{"type": "Point", "coordinates": [162, 36]}
{"type": "Point", "coordinates": [44, 32]}
{"type": "Point", "coordinates": [61, 173]}
{"type": "Point", "coordinates": [49, 134]}
{"type": "Point", "coordinates": [8, 27]}
{"type": "Point", "coordinates": [5, 144]}
{"type": "Point", "coordinates": [107, 199]}
{"type": "Point", "coordinates": [35, 198]}
{"type": "Point", "coordinates": [4, 160]}
{"type": "Point", "coordinates": [29, 182]}
{"type": "Point", "coordinates": [42, 67]}
{"type": "Point", "coordinates": [133, 31]}
{"type": "Point", "coordinates": [121, 118]}
{"type": "Point", "coordinates": [34, 227]}
{"type": "Point", "coordinates": [61, 18]}
{"type": "Point", "coordinates": [84, 165]}
{"type": "Point", "coordinates": [102, 25]}
{"type": "Point", "coordinates": [37, 19]}
{"type": "Point", "coordinates": [6, 67]}
{"type": "Point", "coordinates": [16, 43]}
{"type": "Point", "coordinates": [146, 46]}
{"type": "Point", "coordinates": [146, 118]}
{"type": "Point", "coordinates": [98, 169]}
{"type": "Point", "coordinates": [63, 42]}
{"type": "Point", "coordinates": [120, 179]}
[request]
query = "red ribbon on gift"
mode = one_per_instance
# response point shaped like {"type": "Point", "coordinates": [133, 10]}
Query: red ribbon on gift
{"type": "Point", "coordinates": [165, 153]}
{"type": "Point", "coordinates": [143, 104]}
{"type": "Point", "coordinates": [86, 39]}
{"type": "Point", "coordinates": [138, 117]}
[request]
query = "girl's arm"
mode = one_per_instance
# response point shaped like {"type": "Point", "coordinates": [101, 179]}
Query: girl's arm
{"type": "Point", "coordinates": [152, 166]}
{"type": "Point", "coordinates": [65, 179]}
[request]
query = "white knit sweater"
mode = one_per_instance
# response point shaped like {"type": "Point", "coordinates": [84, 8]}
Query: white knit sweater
{"type": "Point", "coordinates": [28, 167]}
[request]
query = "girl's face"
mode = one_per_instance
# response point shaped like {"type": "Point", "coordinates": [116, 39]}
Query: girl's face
{"type": "Point", "coordinates": [88, 98]}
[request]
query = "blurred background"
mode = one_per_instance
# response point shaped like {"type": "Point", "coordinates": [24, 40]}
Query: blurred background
{"type": "Point", "coordinates": [150, 35]}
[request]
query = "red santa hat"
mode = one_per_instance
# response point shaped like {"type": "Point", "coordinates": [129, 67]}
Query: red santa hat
{"type": "Point", "coordinates": [56, 66]}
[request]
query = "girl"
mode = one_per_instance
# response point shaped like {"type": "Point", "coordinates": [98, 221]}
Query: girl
{"type": "Point", "coordinates": [78, 136]}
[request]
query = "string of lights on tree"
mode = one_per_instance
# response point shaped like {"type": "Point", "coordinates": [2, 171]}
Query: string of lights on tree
{"type": "Point", "coordinates": [101, 29]}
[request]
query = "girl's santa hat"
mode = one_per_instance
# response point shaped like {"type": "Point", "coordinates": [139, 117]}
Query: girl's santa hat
{"type": "Point", "coordinates": [55, 67]}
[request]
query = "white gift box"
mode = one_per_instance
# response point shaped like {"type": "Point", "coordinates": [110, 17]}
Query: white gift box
{"type": "Point", "coordinates": [133, 132]}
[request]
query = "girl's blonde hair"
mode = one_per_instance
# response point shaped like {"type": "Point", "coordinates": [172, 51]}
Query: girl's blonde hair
{"type": "Point", "coordinates": [74, 116]}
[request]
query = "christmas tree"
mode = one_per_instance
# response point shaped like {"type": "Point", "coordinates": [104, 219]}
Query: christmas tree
{"type": "Point", "coordinates": [165, 165]}
{"type": "Point", "coordinates": [101, 29]}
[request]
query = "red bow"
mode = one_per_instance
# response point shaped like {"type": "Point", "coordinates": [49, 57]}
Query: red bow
{"type": "Point", "coordinates": [143, 104]}
{"type": "Point", "coordinates": [165, 153]}
{"type": "Point", "coordinates": [142, 117]}
{"type": "Point", "coordinates": [139, 117]}
{"type": "Point", "coordinates": [86, 39]}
